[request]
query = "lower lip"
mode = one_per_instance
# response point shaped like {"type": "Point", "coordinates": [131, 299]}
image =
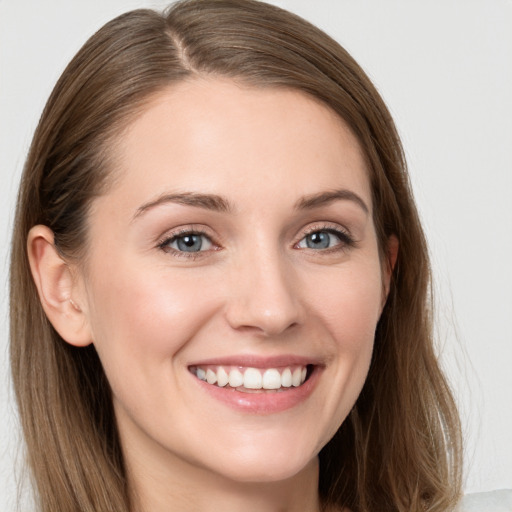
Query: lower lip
{"type": "Point", "coordinates": [263, 402]}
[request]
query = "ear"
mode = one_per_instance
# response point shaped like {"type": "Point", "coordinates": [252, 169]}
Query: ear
{"type": "Point", "coordinates": [57, 288]}
{"type": "Point", "coordinates": [391, 255]}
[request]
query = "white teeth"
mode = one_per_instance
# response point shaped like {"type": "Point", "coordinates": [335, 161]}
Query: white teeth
{"type": "Point", "coordinates": [296, 377]}
{"type": "Point", "coordinates": [286, 378]}
{"type": "Point", "coordinates": [211, 376]}
{"type": "Point", "coordinates": [253, 378]}
{"type": "Point", "coordinates": [236, 379]}
{"type": "Point", "coordinates": [222, 377]}
{"type": "Point", "coordinates": [271, 379]}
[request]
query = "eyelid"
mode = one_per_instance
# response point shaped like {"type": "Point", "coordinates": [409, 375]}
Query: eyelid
{"type": "Point", "coordinates": [171, 235]}
{"type": "Point", "coordinates": [346, 238]}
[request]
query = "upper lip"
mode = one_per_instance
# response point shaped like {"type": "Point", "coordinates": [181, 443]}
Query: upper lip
{"type": "Point", "coordinates": [254, 361]}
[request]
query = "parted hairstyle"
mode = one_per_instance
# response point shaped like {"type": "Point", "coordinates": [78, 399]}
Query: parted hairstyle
{"type": "Point", "coordinates": [400, 447]}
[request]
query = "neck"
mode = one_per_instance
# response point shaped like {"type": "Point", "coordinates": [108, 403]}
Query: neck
{"type": "Point", "coordinates": [185, 489]}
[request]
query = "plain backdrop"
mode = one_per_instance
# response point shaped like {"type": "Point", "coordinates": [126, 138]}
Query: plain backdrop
{"type": "Point", "coordinates": [444, 67]}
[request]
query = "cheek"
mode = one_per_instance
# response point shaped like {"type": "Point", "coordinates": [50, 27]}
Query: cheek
{"type": "Point", "coordinates": [345, 310]}
{"type": "Point", "coordinates": [146, 318]}
{"type": "Point", "coordinates": [352, 306]}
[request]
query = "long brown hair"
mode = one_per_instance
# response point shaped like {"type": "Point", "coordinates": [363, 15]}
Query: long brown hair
{"type": "Point", "coordinates": [400, 447]}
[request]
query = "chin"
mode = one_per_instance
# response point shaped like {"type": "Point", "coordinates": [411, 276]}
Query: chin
{"type": "Point", "coordinates": [265, 471]}
{"type": "Point", "coordinates": [260, 463]}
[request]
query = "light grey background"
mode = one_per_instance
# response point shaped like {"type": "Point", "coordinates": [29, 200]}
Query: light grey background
{"type": "Point", "coordinates": [445, 69]}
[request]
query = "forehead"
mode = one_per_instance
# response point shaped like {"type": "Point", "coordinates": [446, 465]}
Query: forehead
{"type": "Point", "coordinates": [216, 136]}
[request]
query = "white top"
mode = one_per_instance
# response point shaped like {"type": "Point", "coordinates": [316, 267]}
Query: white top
{"type": "Point", "coordinates": [494, 501]}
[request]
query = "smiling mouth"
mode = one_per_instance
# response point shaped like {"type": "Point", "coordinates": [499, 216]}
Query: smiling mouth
{"type": "Point", "coordinates": [253, 380]}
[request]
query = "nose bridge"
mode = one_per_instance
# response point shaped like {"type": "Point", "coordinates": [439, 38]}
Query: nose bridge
{"type": "Point", "coordinates": [264, 294]}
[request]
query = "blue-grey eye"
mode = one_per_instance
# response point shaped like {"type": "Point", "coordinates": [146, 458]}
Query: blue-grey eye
{"type": "Point", "coordinates": [320, 240]}
{"type": "Point", "coordinates": [190, 242]}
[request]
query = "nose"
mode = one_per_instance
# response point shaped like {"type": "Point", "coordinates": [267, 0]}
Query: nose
{"type": "Point", "coordinates": [263, 296]}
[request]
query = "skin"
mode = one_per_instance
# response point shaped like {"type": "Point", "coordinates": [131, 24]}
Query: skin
{"type": "Point", "coordinates": [256, 289]}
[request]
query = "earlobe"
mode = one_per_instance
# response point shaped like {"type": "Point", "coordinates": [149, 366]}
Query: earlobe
{"type": "Point", "coordinates": [56, 287]}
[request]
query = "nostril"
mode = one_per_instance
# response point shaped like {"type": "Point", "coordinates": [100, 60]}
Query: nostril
{"type": "Point", "coordinates": [261, 322]}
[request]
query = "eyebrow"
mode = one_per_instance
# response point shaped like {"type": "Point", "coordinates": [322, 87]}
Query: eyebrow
{"type": "Point", "coordinates": [218, 203]}
{"type": "Point", "coordinates": [324, 198]}
{"type": "Point", "coordinates": [211, 202]}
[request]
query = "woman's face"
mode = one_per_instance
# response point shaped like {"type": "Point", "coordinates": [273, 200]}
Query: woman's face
{"type": "Point", "coordinates": [235, 250]}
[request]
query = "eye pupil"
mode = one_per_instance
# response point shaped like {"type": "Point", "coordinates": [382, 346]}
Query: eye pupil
{"type": "Point", "coordinates": [319, 240]}
{"type": "Point", "coordinates": [190, 243]}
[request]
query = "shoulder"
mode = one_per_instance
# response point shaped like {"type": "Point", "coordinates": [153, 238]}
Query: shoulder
{"type": "Point", "coordinates": [494, 501]}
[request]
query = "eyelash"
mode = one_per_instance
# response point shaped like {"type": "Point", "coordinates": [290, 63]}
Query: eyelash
{"type": "Point", "coordinates": [346, 241]}
{"type": "Point", "coordinates": [164, 244]}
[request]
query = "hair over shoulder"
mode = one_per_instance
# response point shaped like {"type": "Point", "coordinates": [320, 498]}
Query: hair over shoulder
{"type": "Point", "coordinates": [400, 447]}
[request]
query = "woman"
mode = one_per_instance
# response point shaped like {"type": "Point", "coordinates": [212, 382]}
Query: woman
{"type": "Point", "coordinates": [224, 280]}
